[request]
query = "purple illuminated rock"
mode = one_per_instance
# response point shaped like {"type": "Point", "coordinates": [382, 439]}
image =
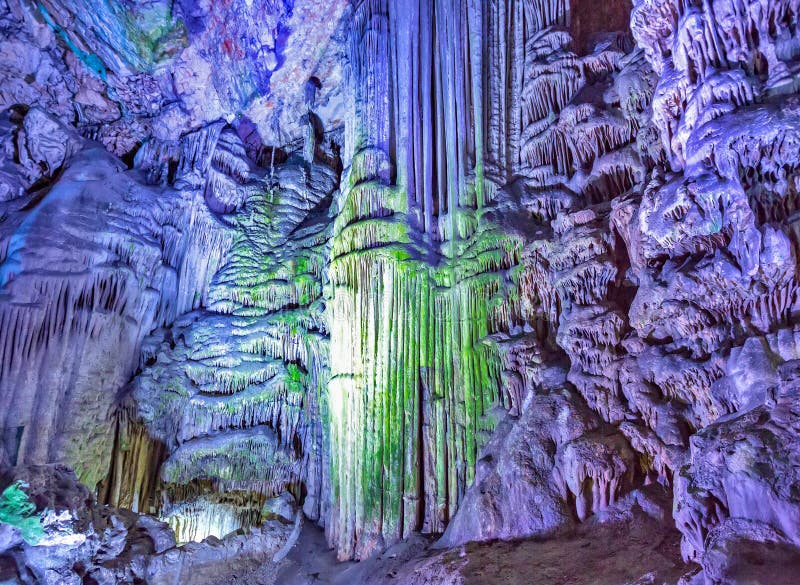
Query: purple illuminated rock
{"type": "Point", "coordinates": [491, 270]}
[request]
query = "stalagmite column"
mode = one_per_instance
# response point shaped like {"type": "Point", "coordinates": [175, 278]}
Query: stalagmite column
{"type": "Point", "coordinates": [418, 276]}
{"type": "Point", "coordinates": [367, 330]}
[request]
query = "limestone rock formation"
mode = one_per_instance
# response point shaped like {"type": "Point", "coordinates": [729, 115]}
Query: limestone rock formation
{"type": "Point", "coordinates": [91, 264]}
{"type": "Point", "coordinates": [82, 542]}
{"type": "Point", "coordinates": [454, 269]}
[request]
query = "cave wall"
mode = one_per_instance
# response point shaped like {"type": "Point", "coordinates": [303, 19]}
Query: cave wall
{"type": "Point", "coordinates": [489, 268]}
{"type": "Point", "coordinates": [91, 264]}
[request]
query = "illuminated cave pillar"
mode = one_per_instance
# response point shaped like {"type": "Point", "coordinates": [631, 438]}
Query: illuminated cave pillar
{"type": "Point", "coordinates": [370, 481]}
{"type": "Point", "coordinates": [374, 397]}
{"type": "Point", "coordinates": [410, 382]}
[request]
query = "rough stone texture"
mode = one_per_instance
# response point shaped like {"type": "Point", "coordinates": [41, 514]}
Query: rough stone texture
{"type": "Point", "coordinates": [236, 390]}
{"type": "Point", "coordinates": [490, 270]}
{"type": "Point", "coordinates": [86, 543]}
{"type": "Point", "coordinates": [91, 264]}
{"type": "Point", "coordinates": [126, 70]}
{"type": "Point", "coordinates": [731, 476]}
{"type": "Point", "coordinates": [526, 467]}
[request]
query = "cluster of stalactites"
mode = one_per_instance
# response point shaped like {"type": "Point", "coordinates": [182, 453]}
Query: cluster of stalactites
{"type": "Point", "coordinates": [136, 257]}
{"type": "Point", "coordinates": [236, 390]}
{"type": "Point", "coordinates": [713, 58]}
{"type": "Point", "coordinates": [423, 275]}
{"type": "Point", "coordinates": [407, 364]}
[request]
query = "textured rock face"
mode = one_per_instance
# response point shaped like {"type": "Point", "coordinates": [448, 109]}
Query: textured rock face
{"type": "Point", "coordinates": [127, 70]}
{"type": "Point", "coordinates": [82, 542]}
{"type": "Point", "coordinates": [91, 263]}
{"type": "Point", "coordinates": [246, 377]}
{"type": "Point", "coordinates": [479, 269]}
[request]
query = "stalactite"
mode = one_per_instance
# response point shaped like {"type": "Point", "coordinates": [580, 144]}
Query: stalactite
{"type": "Point", "coordinates": [237, 390]}
{"type": "Point", "coordinates": [133, 479]}
{"type": "Point", "coordinates": [413, 264]}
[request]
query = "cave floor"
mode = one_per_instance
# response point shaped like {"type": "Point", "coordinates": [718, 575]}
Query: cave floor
{"type": "Point", "coordinates": [632, 550]}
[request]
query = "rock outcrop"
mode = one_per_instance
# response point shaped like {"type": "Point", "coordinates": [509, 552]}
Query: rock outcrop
{"type": "Point", "coordinates": [80, 541]}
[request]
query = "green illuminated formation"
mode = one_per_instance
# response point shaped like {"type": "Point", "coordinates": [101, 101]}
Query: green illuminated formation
{"type": "Point", "coordinates": [237, 390]}
{"type": "Point", "coordinates": [422, 274]}
{"type": "Point", "coordinates": [17, 510]}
